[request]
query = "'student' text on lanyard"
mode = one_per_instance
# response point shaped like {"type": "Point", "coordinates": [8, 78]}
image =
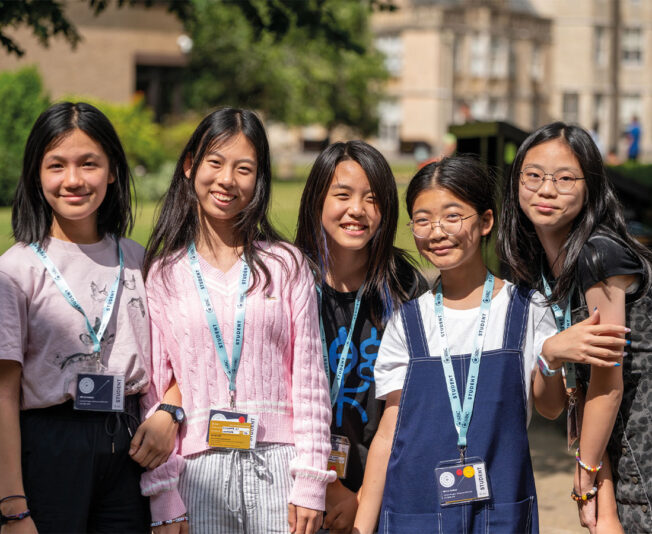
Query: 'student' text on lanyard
{"type": "Point", "coordinates": [230, 368]}
{"type": "Point", "coordinates": [107, 309]}
{"type": "Point", "coordinates": [341, 366]}
{"type": "Point", "coordinates": [563, 321]}
{"type": "Point", "coordinates": [462, 413]}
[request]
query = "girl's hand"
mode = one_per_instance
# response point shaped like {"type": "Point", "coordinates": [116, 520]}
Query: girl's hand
{"type": "Point", "coordinates": [23, 526]}
{"type": "Point", "coordinates": [586, 342]}
{"type": "Point", "coordinates": [303, 520]}
{"type": "Point", "coordinates": [154, 440]}
{"type": "Point", "coordinates": [340, 516]}
{"type": "Point", "coordinates": [174, 528]}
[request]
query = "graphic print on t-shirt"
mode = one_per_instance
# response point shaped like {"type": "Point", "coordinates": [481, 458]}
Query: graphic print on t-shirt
{"type": "Point", "coordinates": [362, 360]}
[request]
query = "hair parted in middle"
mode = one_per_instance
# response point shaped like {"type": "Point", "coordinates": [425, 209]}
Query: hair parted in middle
{"type": "Point", "coordinates": [382, 282]}
{"type": "Point", "coordinates": [178, 221]}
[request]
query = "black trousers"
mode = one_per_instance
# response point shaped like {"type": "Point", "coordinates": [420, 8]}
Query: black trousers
{"type": "Point", "coordinates": [77, 472]}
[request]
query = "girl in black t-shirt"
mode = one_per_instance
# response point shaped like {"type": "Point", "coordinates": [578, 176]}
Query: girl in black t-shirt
{"type": "Point", "coordinates": [561, 221]}
{"type": "Point", "coordinates": [347, 224]}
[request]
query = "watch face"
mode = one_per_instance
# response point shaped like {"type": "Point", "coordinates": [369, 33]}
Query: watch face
{"type": "Point", "coordinates": [179, 415]}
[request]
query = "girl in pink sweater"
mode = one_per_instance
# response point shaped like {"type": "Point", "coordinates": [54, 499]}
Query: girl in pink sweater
{"type": "Point", "coordinates": [234, 321]}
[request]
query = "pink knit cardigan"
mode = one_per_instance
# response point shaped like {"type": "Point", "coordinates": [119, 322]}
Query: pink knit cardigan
{"type": "Point", "coordinates": [281, 375]}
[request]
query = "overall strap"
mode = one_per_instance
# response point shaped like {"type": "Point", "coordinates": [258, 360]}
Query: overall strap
{"type": "Point", "coordinates": [415, 334]}
{"type": "Point", "coordinates": [516, 320]}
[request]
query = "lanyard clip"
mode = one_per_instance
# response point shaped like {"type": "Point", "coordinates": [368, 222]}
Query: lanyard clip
{"type": "Point", "coordinates": [232, 399]}
{"type": "Point", "coordinates": [462, 453]}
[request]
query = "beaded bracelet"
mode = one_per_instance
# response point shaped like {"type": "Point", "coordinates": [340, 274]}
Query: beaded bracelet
{"type": "Point", "coordinates": [169, 521]}
{"type": "Point", "coordinates": [584, 496]}
{"type": "Point", "coordinates": [545, 369]}
{"type": "Point", "coordinates": [4, 519]}
{"type": "Point", "coordinates": [587, 467]}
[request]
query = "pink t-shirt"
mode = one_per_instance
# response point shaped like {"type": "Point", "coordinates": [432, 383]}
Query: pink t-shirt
{"type": "Point", "coordinates": [48, 337]}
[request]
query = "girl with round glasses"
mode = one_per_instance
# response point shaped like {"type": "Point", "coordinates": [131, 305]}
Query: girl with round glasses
{"type": "Point", "coordinates": [457, 368]}
{"type": "Point", "coordinates": [563, 233]}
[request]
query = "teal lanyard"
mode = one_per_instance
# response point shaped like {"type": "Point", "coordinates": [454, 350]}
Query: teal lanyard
{"type": "Point", "coordinates": [65, 290]}
{"type": "Point", "coordinates": [230, 369]}
{"type": "Point", "coordinates": [341, 365]}
{"type": "Point", "coordinates": [462, 415]}
{"type": "Point", "coordinates": [563, 321]}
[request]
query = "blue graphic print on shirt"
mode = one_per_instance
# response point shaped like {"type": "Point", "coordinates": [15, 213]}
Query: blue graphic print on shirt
{"type": "Point", "coordinates": [362, 360]}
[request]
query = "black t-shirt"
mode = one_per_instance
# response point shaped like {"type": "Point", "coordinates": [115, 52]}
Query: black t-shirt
{"type": "Point", "coordinates": [603, 256]}
{"type": "Point", "coordinates": [356, 413]}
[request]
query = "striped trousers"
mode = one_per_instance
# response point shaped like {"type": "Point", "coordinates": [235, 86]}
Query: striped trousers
{"type": "Point", "coordinates": [238, 492]}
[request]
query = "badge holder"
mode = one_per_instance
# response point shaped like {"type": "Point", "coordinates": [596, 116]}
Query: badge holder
{"type": "Point", "coordinates": [99, 390]}
{"type": "Point", "coordinates": [462, 480]}
{"type": "Point", "coordinates": [228, 429]}
{"type": "Point", "coordinates": [338, 459]}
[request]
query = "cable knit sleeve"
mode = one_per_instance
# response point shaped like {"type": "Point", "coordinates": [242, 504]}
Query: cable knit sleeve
{"type": "Point", "coordinates": [160, 484]}
{"type": "Point", "coordinates": [310, 399]}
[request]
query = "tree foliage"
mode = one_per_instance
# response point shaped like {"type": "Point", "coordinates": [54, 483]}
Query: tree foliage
{"type": "Point", "coordinates": [298, 62]}
{"type": "Point", "coordinates": [22, 100]}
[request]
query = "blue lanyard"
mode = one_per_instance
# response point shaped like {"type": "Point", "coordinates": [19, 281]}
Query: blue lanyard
{"type": "Point", "coordinates": [462, 416]}
{"type": "Point", "coordinates": [339, 375]}
{"type": "Point", "coordinates": [563, 321]}
{"type": "Point", "coordinates": [230, 369]}
{"type": "Point", "coordinates": [61, 284]}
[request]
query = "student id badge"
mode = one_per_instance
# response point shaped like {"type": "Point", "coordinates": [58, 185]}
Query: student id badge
{"type": "Point", "coordinates": [339, 456]}
{"type": "Point", "coordinates": [232, 430]}
{"type": "Point", "coordinates": [462, 482]}
{"type": "Point", "coordinates": [100, 392]}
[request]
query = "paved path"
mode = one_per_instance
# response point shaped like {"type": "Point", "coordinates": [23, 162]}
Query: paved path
{"type": "Point", "coordinates": [553, 473]}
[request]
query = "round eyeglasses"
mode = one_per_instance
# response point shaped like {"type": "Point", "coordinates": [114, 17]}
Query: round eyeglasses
{"type": "Point", "coordinates": [563, 180]}
{"type": "Point", "coordinates": [450, 225]}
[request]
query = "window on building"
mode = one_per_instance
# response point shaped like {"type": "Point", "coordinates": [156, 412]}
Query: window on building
{"type": "Point", "coordinates": [458, 59]}
{"type": "Point", "coordinates": [499, 57]}
{"type": "Point", "coordinates": [391, 46]}
{"type": "Point", "coordinates": [497, 109]}
{"type": "Point", "coordinates": [630, 106]}
{"type": "Point", "coordinates": [389, 124]}
{"type": "Point", "coordinates": [600, 52]}
{"type": "Point", "coordinates": [632, 46]}
{"type": "Point", "coordinates": [570, 107]}
{"type": "Point", "coordinates": [160, 80]}
{"type": "Point", "coordinates": [479, 48]}
{"type": "Point", "coordinates": [536, 68]}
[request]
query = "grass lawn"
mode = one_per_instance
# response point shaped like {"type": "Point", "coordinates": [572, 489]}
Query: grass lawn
{"type": "Point", "coordinates": [284, 210]}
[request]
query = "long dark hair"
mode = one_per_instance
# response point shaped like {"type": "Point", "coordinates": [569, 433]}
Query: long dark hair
{"type": "Point", "coordinates": [383, 286]}
{"type": "Point", "coordinates": [602, 214]}
{"type": "Point", "coordinates": [464, 176]}
{"type": "Point", "coordinates": [178, 221]}
{"type": "Point", "coordinates": [31, 216]}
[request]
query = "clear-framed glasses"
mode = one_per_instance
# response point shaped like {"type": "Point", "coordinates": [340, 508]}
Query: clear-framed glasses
{"type": "Point", "coordinates": [451, 224]}
{"type": "Point", "coordinates": [563, 180]}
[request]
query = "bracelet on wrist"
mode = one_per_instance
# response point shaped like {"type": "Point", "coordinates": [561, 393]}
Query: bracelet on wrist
{"type": "Point", "coordinates": [545, 368]}
{"type": "Point", "coordinates": [4, 519]}
{"type": "Point", "coordinates": [583, 497]}
{"type": "Point", "coordinates": [170, 521]}
{"type": "Point", "coordinates": [586, 467]}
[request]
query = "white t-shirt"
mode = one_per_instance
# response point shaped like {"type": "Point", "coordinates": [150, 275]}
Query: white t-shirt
{"type": "Point", "coordinates": [393, 357]}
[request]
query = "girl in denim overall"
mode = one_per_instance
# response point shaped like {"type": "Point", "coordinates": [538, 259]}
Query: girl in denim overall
{"type": "Point", "coordinates": [458, 370]}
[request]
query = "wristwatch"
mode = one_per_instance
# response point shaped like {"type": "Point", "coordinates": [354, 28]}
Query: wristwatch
{"type": "Point", "coordinates": [177, 413]}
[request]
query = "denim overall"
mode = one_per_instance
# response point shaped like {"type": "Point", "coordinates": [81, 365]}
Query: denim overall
{"type": "Point", "coordinates": [425, 435]}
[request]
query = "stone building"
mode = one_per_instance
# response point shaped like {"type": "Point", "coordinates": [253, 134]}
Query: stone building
{"type": "Point", "coordinates": [453, 61]}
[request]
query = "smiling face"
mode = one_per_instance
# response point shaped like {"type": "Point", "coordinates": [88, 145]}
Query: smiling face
{"type": "Point", "coordinates": [350, 216]}
{"type": "Point", "coordinates": [450, 251]}
{"type": "Point", "coordinates": [75, 175]}
{"type": "Point", "coordinates": [225, 180]}
{"type": "Point", "coordinates": [548, 210]}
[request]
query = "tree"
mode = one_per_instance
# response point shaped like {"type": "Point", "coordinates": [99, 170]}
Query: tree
{"type": "Point", "coordinates": [314, 63]}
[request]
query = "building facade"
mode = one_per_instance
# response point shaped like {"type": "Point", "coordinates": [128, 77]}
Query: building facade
{"type": "Point", "coordinates": [123, 51]}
